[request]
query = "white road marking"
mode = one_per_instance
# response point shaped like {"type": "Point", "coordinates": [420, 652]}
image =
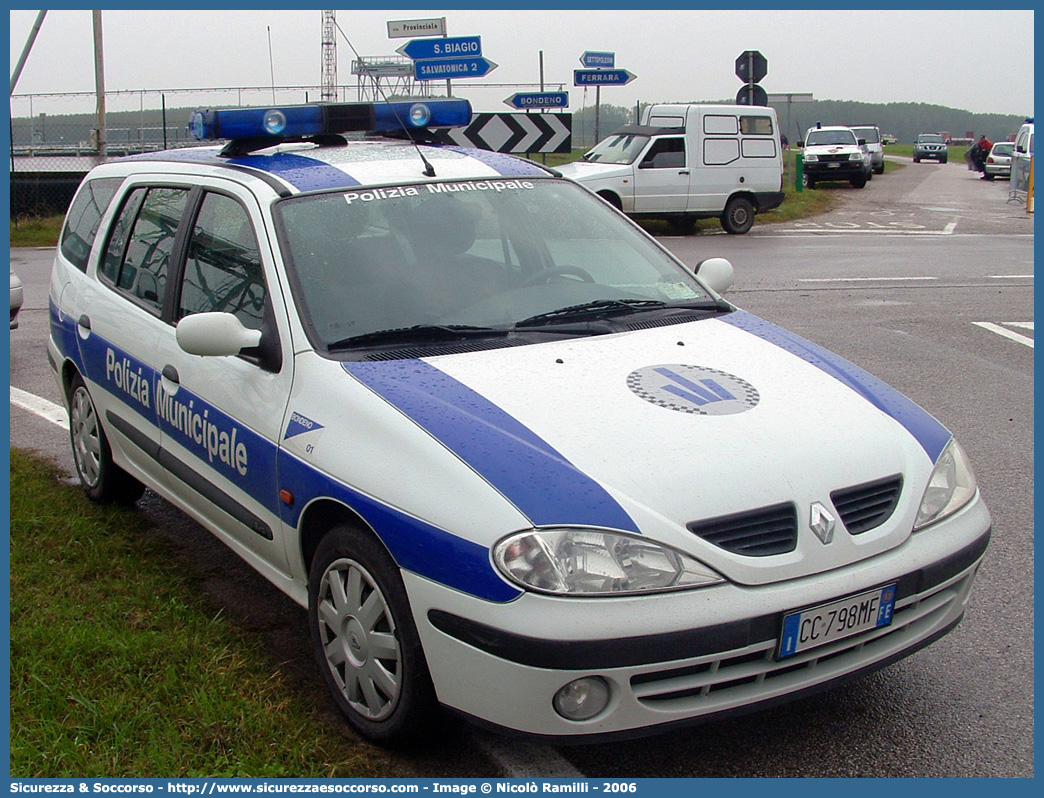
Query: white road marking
{"type": "Point", "coordinates": [862, 279]}
{"type": "Point", "coordinates": [1008, 276]}
{"type": "Point", "coordinates": [1014, 336]}
{"type": "Point", "coordinates": [1026, 325]}
{"type": "Point", "coordinates": [46, 410]}
{"type": "Point", "coordinates": [522, 760]}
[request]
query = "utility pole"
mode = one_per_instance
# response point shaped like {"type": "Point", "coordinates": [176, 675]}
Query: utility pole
{"type": "Point", "coordinates": [25, 51]}
{"type": "Point", "coordinates": [99, 83]}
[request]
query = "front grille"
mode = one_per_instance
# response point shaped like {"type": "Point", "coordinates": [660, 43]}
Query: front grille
{"type": "Point", "coordinates": [755, 533]}
{"type": "Point", "coordinates": [864, 507]}
{"type": "Point", "coordinates": [832, 158]}
{"type": "Point", "coordinates": [734, 677]}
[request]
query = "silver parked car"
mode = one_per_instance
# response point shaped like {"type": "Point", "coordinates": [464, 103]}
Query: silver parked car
{"type": "Point", "coordinates": [998, 162]}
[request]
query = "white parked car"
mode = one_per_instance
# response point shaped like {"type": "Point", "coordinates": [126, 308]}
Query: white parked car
{"type": "Point", "coordinates": [998, 162]}
{"type": "Point", "coordinates": [834, 153]}
{"type": "Point", "coordinates": [515, 458]}
{"type": "Point", "coordinates": [16, 297]}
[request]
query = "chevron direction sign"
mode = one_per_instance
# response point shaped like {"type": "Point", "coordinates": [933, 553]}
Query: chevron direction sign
{"type": "Point", "coordinates": [512, 133]}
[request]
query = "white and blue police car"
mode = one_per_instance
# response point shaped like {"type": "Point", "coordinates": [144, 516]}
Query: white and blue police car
{"type": "Point", "coordinates": [517, 460]}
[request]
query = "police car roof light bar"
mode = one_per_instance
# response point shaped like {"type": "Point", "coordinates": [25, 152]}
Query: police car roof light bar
{"type": "Point", "coordinates": [298, 121]}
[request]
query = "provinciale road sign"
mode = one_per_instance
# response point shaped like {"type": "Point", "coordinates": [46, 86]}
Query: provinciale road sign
{"type": "Point", "coordinates": [403, 28]}
{"type": "Point", "coordinates": [602, 77]}
{"type": "Point", "coordinates": [542, 99]}
{"type": "Point", "coordinates": [446, 68]}
{"type": "Point", "coordinates": [420, 49]}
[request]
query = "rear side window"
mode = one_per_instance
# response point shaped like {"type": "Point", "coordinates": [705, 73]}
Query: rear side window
{"type": "Point", "coordinates": [138, 255]}
{"type": "Point", "coordinates": [756, 125]}
{"type": "Point", "coordinates": [223, 271]}
{"type": "Point", "coordinates": [84, 216]}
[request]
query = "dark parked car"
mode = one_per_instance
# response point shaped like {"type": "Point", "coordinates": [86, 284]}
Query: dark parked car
{"type": "Point", "coordinates": [930, 145]}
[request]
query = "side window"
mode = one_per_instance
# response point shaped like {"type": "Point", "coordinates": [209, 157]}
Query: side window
{"type": "Point", "coordinates": [81, 223]}
{"type": "Point", "coordinates": [223, 271]}
{"type": "Point", "coordinates": [758, 126]}
{"type": "Point", "coordinates": [117, 245]}
{"type": "Point", "coordinates": [719, 152]}
{"type": "Point", "coordinates": [665, 153]}
{"type": "Point", "coordinates": [720, 125]}
{"type": "Point", "coordinates": [142, 271]}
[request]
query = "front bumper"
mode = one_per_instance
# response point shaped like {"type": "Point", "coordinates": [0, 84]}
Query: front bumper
{"type": "Point", "coordinates": [834, 170]}
{"type": "Point", "coordinates": [679, 658]}
{"type": "Point", "coordinates": [936, 154]}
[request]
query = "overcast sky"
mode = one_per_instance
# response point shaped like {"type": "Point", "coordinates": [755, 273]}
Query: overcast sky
{"type": "Point", "coordinates": [973, 60]}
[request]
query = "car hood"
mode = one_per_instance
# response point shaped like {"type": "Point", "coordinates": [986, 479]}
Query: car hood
{"type": "Point", "coordinates": [830, 149]}
{"type": "Point", "coordinates": [583, 172]}
{"type": "Point", "coordinates": [653, 431]}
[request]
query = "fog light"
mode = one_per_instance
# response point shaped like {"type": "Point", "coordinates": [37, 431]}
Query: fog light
{"type": "Point", "coordinates": [582, 699]}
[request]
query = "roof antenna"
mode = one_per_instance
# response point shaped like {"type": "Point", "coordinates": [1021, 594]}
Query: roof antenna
{"type": "Point", "coordinates": [429, 170]}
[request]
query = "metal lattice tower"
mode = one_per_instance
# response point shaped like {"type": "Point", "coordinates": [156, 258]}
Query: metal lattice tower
{"type": "Point", "coordinates": [329, 92]}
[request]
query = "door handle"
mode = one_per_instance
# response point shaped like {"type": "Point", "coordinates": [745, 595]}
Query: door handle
{"type": "Point", "coordinates": [171, 373]}
{"type": "Point", "coordinates": [684, 172]}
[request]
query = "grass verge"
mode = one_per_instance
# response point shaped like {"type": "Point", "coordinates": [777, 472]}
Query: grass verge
{"type": "Point", "coordinates": [118, 667]}
{"type": "Point", "coordinates": [36, 231]}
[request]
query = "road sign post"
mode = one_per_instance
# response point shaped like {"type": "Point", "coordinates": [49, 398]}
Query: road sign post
{"type": "Point", "coordinates": [751, 67]}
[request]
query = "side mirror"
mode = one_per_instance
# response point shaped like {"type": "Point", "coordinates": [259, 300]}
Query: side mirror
{"type": "Point", "coordinates": [800, 145]}
{"type": "Point", "coordinates": [717, 273]}
{"type": "Point", "coordinates": [862, 142]}
{"type": "Point", "coordinates": [215, 334]}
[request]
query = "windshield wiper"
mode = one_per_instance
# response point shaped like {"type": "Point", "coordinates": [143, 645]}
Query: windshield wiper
{"type": "Point", "coordinates": [418, 333]}
{"type": "Point", "coordinates": [607, 308]}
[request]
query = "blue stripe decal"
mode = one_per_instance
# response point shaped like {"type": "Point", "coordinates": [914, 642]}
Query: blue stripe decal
{"type": "Point", "coordinates": [253, 463]}
{"type": "Point", "coordinates": [416, 546]}
{"type": "Point", "coordinates": [505, 165]}
{"type": "Point", "coordinates": [932, 435]}
{"type": "Point", "coordinates": [304, 174]}
{"type": "Point", "coordinates": [538, 480]}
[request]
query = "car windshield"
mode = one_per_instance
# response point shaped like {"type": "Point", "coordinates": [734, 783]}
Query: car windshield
{"type": "Point", "coordinates": [867, 134]}
{"type": "Point", "coordinates": [821, 137]}
{"type": "Point", "coordinates": [1002, 149]}
{"type": "Point", "coordinates": [621, 149]}
{"type": "Point", "coordinates": [930, 138]}
{"type": "Point", "coordinates": [477, 256]}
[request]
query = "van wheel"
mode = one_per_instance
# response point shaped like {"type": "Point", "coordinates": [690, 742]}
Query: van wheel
{"type": "Point", "coordinates": [365, 641]}
{"type": "Point", "coordinates": [103, 481]}
{"type": "Point", "coordinates": [738, 216]}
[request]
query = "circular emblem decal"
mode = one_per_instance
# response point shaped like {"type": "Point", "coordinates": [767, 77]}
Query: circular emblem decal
{"type": "Point", "coordinates": [693, 389]}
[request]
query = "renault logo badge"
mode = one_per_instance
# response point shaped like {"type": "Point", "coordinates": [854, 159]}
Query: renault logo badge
{"type": "Point", "coordinates": [822, 523]}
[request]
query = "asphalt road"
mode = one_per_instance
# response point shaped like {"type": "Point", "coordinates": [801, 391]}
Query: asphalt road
{"type": "Point", "coordinates": [925, 278]}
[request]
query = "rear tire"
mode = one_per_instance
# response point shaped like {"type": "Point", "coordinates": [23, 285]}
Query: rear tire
{"type": "Point", "coordinates": [103, 481]}
{"type": "Point", "coordinates": [365, 641]}
{"type": "Point", "coordinates": [988, 176]}
{"type": "Point", "coordinates": [738, 216]}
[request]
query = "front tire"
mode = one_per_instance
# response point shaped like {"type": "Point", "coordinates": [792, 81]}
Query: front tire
{"type": "Point", "coordinates": [858, 182]}
{"type": "Point", "coordinates": [738, 216]}
{"type": "Point", "coordinates": [102, 480]}
{"type": "Point", "coordinates": [365, 641]}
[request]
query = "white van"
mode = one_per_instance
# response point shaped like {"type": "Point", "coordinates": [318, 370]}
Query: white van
{"type": "Point", "coordinates": [689, 162]}
{"type": "Point", "coordinates": [1021, 159]}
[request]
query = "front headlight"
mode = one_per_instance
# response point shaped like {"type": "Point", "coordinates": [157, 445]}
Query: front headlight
{"type": "Point", "coordinates": [855, 156]}
{"type": "Point", "coordinates": [810, 158]}
{"type": "Point", "coordinates": [591, 562]}
{"type": "Point", "coordinates": [952, 485]}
